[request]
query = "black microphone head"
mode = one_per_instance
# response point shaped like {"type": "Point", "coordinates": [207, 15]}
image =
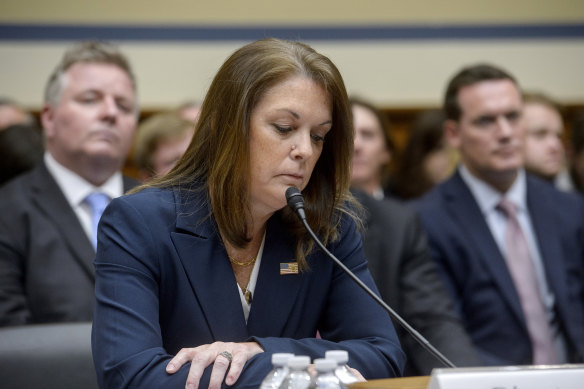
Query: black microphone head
{"type": "Point", "coordinates": [295, 200]}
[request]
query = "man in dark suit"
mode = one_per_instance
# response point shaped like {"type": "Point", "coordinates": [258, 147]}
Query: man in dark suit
{"type": "Point", "coordinates": [398, 257]}
{"type": "Point", "coordinates": [510, 247]}
{"type": "Point", "coordinates": [47, 217]}
{"type": "Point", "coordinates": [397, 252]}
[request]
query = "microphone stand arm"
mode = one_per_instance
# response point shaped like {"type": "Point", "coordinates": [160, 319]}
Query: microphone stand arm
{"type": "Point", "coordinates": [417, 336]}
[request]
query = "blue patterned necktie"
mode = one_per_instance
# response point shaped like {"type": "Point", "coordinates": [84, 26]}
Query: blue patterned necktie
{"type": "Point", "coordinates": [97, 203]}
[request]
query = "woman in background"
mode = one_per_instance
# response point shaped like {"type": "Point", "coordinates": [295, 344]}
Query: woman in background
{"type": "Point", "coordinates": [160, 142]}
{"type": "Point", "coordinates": [373, 151]}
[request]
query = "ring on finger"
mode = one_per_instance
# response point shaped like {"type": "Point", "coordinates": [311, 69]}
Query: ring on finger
{"type": "Point", "coordinates": [227, 355]}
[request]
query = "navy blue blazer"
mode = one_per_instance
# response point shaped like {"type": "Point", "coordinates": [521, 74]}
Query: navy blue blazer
{"type": "Point", "coordinates": [477, 276]}
{"type": "Point", "coordinates": [164, 282]}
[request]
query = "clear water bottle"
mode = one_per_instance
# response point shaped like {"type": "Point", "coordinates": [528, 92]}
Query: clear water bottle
{"type": "Point", "coordinates": [298, 377]}
{"type": "Point", "coordinates": [325, 374]}
{"type": "Point", "coordinates": [277, 375]}
{"type": "Point", "coordinates": [343, 373]}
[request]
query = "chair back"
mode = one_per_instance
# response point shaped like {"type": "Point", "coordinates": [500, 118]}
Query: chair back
{"type": "Point", "coordinates": [47, 356]}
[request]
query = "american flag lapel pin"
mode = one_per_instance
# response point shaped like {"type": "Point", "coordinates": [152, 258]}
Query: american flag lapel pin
{"type": "Point", "coordinates": [288, 268]}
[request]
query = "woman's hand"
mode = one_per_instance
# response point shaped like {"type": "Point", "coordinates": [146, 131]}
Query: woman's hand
{"type": "Point", "coordinates": [202, 356]}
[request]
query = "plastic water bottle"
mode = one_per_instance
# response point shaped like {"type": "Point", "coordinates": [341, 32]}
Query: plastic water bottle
{"type": "Point", "coordinates": [277, 375]}
{"type": "Point", "coordinates": [325, 374]}
{"type": "Point", "coordinates": [343, 373]}
{"type": "Point", "coordinates": [298, 377]}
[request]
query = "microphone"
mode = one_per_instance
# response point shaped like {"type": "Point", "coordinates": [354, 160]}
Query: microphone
{"type": "Point", "coordinates": [296, 202]}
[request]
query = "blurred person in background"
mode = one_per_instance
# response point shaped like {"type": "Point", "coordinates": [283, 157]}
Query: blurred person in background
{"type": "Point", "coordinates": [397, 252]}
{"type": "Point", "coordinates": [13, 113]}
{"type": "Point", "coordinates": [576, 155]}
{"type": "Point", "coordinates": [49, 215]}
{"type": "Point", "coordinates": [427, 158]}
{"type": "Point", "coordinates": [374, 147]}
{"type": "Point", "coordinates": [190, 110]}
{"type": "Point", "coordinates": [543, 150]}
{"type": "Point", "coordinates": [510, 247]}
{"type": "Point", "coordinates": [21, 148]}
{"type": "Point", "coordinates": [160, 141]}
{"type": "Point", "coordinates": [21, 143]}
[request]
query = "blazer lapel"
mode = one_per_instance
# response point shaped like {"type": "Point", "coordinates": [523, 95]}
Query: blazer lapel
{"type": "Point", "coordinates": [275, 294]}
{"type": "Point", "coordinates": [464, 208]}
{"type": "Point", "coordinates": [50, 200]}
{"type": "Point", "coordinates": [211, 277]}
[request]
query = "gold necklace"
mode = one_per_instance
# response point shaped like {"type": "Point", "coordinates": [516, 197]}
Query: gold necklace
{"type": "Point", "coordinates": [239, 263]}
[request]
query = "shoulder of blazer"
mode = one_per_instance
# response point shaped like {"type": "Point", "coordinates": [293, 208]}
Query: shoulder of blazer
{"type": "Point", "coordinates": [446, 191]}
{"type": "Point", "coordinates": [187, 210]}
{"type": "Point", "coordinates": [26, 180]}
{"type": "Point", "coordinates": [37, 184]}
{"type": "Point", "coordinates": [547, 201]}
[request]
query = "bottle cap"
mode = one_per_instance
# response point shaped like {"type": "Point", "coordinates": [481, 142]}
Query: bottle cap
{"type": "Point", "coordinates": [323, 364]}
{"type": "Point", "coordinates": [341, 356]}
{"type": "Point", "coordinates": [299, 362]}
{"type": "Point", "coordinates": [280, 359]}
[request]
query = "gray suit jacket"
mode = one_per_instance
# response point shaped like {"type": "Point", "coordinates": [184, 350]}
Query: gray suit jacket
{"type": "Point", "coordinates": [408, 280]}
{"type": "Point", "coordinates": [46, 259]}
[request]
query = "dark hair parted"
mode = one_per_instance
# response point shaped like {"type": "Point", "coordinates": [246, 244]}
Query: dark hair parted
{"type": "Point", "coordinates": [469, 76]}
{"type": "Point", "coordinates": [218, 160]}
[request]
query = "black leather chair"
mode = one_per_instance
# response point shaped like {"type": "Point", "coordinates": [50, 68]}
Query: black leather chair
{"type": "Point", "coordinates": [47, 356]}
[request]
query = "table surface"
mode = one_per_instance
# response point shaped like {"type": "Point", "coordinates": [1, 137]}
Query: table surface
{"type": "Point", "coordinates": [395, 383]}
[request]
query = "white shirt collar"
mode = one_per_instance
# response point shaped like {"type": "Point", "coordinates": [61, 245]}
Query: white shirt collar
{"type": "Point", "coordinates": [488, 197]}
{"type": "Point", "coordinates": [76, 188]}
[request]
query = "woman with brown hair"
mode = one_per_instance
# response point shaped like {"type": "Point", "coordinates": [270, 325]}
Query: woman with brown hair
{"type": "Point", "coordinates": [160, 141]}
{"type": "Point", "coordinates": [204, 273]}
